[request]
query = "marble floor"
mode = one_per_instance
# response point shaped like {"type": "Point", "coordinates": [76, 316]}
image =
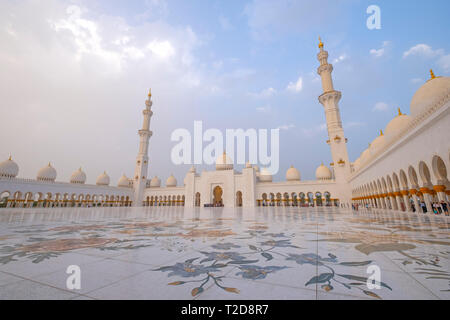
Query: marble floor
{"type": "Point", "coordinates": [216, 253]}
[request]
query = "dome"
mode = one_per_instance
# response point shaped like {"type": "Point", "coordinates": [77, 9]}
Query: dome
{"type": "Point", "coordinates": [377, 144]}
{"type": "Point", "coordinates": [103, 179]}
{"type": "Point", "coordinates": [155, 182]}
{"type": "Point", "coordinates": [78, 177]}
{"type": "Point", "coordinates": [224, 162]}
{"type": "Point", "coordinates": [323, 173]}
{"type": "Point", "coordinates": [292, 174]}
{"type": "Point", "coordinates": [47, 173]}
{"type": "Point", "coordinates": [265, 176]}
{"type": "Point", "coordinates": [9, 168]}
{"type": "Point", "coordinates": [192, 169]}
{"type": "Point", "coordinates": [365, 156]}
{"type": "Point", "coordinates": [427, 94]}
{"type": "Point", "coordinates": [248, 165]}
{"type": "Point", "coordinates": [171, 181]}
{"type": "Point", "coordinates": [123, 181]}
{"type": "Point", "coordinates": [397, 125]}
{"type": "Point", "coordinates": [357, 164]}
{"type": "Point", "coordinates": [256, 168]}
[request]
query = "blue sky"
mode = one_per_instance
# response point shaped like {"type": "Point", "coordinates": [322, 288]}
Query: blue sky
{"type": "Point", "coordinates": [77, 72]}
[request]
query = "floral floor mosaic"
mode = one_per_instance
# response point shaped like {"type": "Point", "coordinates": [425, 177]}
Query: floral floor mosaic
{"type": "Point", "coordinates": [216, 253]}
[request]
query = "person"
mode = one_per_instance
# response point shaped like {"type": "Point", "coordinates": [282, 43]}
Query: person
{"type": "Point", "coordinates": [444, 207]}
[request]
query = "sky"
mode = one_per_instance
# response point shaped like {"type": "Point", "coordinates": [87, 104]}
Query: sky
{"type": "Point", "coordinates": [75, 75]}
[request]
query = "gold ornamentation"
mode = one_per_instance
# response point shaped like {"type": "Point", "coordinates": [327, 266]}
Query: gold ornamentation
{"type": "Point", "coordinates": [432, 74]}
{"type": "Point", "coordinates": [320, 43]}
{"type": "Point", "coordinates": [150, 93]}
{"type": "Point", "coordinates": [400, 112]}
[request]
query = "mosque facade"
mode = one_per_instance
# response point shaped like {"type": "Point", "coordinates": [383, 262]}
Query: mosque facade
{"type": "Point", "coordinates": [404, 168]}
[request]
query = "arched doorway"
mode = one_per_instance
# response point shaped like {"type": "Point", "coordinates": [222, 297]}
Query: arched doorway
{"type": "Point", "coordinates": [239, 199]}
{"type": "Point", "coordinates": [217, 193]}
{"type": "Point", "coordinates": [197, 199]}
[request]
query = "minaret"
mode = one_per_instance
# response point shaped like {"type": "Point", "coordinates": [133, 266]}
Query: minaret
{"type": "Point", "coordinates": [330, 100]}
{"type": "Point", "coordinates": [140, 174]}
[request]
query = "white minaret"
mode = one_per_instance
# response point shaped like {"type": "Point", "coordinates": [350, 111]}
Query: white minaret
{"type": "Point", "coordinates": [330, 100]}
{"type": "Point", "coordinates": [140, 174]}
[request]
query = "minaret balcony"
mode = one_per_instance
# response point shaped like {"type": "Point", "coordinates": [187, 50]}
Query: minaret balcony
{"type": "Point", "coordinates": [341, 163]}
{"type": "Point", "coordinates": [330, 95]}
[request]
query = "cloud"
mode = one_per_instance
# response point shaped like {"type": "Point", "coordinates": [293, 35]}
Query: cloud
{"type": "Point", "coordinates": [378, 53]}
{"type": "Point", "coordinates": [295, 86]}
{"type": "Point", "coordinates": [416, 80]}
{"type": "Point", "coordinates": [422, 50]}
{"type": "Point", "coordinates": [427, 52]}
{"type": "Point", "coordinates": [354, 124]}
{"type": "Point", "coordinates": [380, 106]}
{"type": "Point", "coordinates": [265, 109]}
{"type": "Point", "coordinates": [286, 127]}
{"type": "Point", "coordinates": [341, 58]}
{"type": "Point", "coordinates": [310, 132]}
{"type": "Point", "coordinates": [162, 49]}
{"type": "Point", "coordinates": [266, 93]}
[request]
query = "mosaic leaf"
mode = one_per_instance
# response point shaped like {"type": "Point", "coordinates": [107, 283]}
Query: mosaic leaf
{"type": "Point", "coordinates": [355, 264]}
{"type": "Point", "coordinates": [266, 255]}
{"type": "Point", "coordinates": [370, 293]}
{"type": "Point", "coordinates": [196, 291]}
{"type": "Point", "coordinates": [362, 279]}
{"type": "Point", "coordinates": [322, 278]}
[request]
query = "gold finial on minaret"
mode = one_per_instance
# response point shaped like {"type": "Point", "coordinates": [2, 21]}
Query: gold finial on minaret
{"type": "Point", "coordinates": [320, 43]}
{"type": "Point", "coordinates": [381, 132]}
{"type": "Point", "coordinates": [432, 74]}
{"type": "Point", "coordinates": [49, 164]}
{"type": "Point", "coordinates": [10, 157]}
{"type": "Point", "coordinates": [400, 112]}
{"type": "Point", "coordinates": [150, 93]}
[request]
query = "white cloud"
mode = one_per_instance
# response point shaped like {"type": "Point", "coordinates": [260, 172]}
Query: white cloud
{"type": "Point", "coordinates": [295, 86]}
{"type": "Point", "coordinates": [162, 49]}
{"type": "Point", "coordinates": [426, 51]}
{"type": "Point", "coordinates": [354, 124]}
{"type": "Point", "coordinates": [380, 106]}
{"type": "Point", "coordinates": [266, 93]}
{"type": "Point", "coordinates": [264, 109]}
{"type": "Point", "coordinates": [341, 58]}
{"type": "Point", "coordinates": [286, 127]}
{"type": "Point", "coordinates": [416, 80]}
{"type": "Point", "coordinates": [378, 53]}
{"type": "Point", "coordinates": [310, 132]}
{"type": "Point", "coordinates": [423, 50]}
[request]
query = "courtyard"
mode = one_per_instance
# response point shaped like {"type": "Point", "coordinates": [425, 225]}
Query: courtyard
{"type": "Point", "coordinates": [274, 253]}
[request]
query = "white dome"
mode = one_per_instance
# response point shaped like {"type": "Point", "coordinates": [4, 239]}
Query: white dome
{"type": "Point", "coordinates": [103, 180]}
{"type": "Point", "coordinates": [47, 173]}
{"type": "Point", "coordinates": [265, 176]}
{"type": "Point", "coordinates": [9, 168]}
{"type": "Point", "coordinates": [365, 155]}
{"type": "Point", "coordinates": [248, 165]}
{"type": "Point", "coordinates": [123, 181]}
{"type": "Point", "coordinates": [256, 168]}
{"type": "Point", "coordinates": [155, 182]}
{"type": "Point", "coordinates": [427, 94]}
{"type": "Point", "coordinates": [397, 125]}
{"type": "Point", "coordinates": [292, 174]}
{"type": "Point", "coordinates": [323, 173]}
{"type": "Point", "coordinates": [78, 177]}
{"type": "Point", "coordinates": [357, 164]}
{"type": "Point", "coordinates": [224, 162]}
{"type": "Point", "coordinates": [171, 181]}
{"type": "Point", "coordinates": [377, 144]}
{"type": "Point", "coordinates": [192, 169]}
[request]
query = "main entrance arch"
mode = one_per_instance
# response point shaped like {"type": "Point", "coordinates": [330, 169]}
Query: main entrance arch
{"type": "Point", "coordinates": [217, 196]}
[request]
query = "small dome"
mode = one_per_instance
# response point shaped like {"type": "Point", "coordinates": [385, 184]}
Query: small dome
{"type": "Point", "coordinates": [265, 176]}
{"type": "Point", "coordinates": [397, 125]}
{"type": "Point", "coordinates": [78, 177]}
{"type": "Point", "coordinates": [256, 168]}
{"type": "Point", "coordinates": [224, 162]}
{"type": "Point", "coordinates": [103, 179]}
{"type": "Point", "coordinates": [47, 173]}
{"type": "Point", "coordinates": [9, 168]}
{"type": "Point", "coordinates": [427, 94]}
{"type": "Point", "coordinates": [248, 165]}
{"type": "Point", "coordinates": [377, 144]}
{"type": "Point", "coordinates": [155, 182]}
{"type": "Point", "coordinates": [124, 182]}
{"type": "Point", "coordinates": [171, 181]}
{"type": "Point", "coordinates": [323, 173]}
{"type": "Point", "coordinates": [365, 155]}
{"type": "Point", "coordinates": [357, 164]}
{"type": "Point", "coordinates": [192, 169]}
{"type": "Point", "coordinates": [292, 174]}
